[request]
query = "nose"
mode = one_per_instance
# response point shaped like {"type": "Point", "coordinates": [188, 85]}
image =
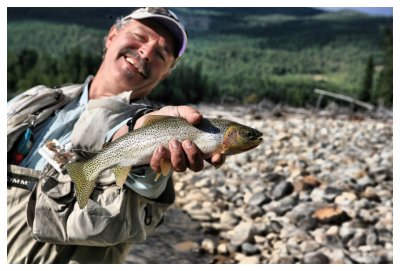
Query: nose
{"type": "Point", "coordinates": [146, 52]}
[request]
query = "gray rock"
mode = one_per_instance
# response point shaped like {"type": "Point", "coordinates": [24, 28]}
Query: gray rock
{"type": "Point", "coordinates": [359, 239]}
{"type": "Point", "coordinates": [274, 226]}
{"type": "Point", "coordinates": [346, 232]}
{"type": "Point", "coordinates": [333, 190]}
{"type": "Point", "coordinates": [318, 195]}
{"type": "Point", "coordinates": [385, 236]}
{"type": "Point", "coordinates": [301, 216]}
{"type": "Point", "coordinates": [249, 249]}
{"type": "Point", "coordinates": [372, 238]}
{"type": "Point", "coordinates": [316, 258]}
{"type": "Point", "coordinates": [274, 178]}
{"type": "Point", "coordinates": [254, 211]}
{"type": "Point", "coordinates": [359, 257]}
{"type": "Point", "coordinates": [293, 247]}
{"type": "Point", "coordinates": [242, 233]}
{"type": "Point", "coordinates": [309, 246]}
{"type": "Point", "coordinates": [286, 204]}
{"type": "Point", "coordinates": [258, 199]}
{"type": "Point", "coordinates": [282, 259]}
{"type": "Point", "coordinates": [319, 236]}
{"type": "Point", "coordinates": [228, 219]}
{"type": "Point", "coordinates": [205, 182]}
{"type": "Point", "coordinates": [261, 229]}
{"type": "Point", "coordinates": [368, 216]}
{"type": "Point", "coordinates": [336, 255]}
{"type": "Point", "coordinates": [377, 170]}
{"type": "Point", "coordinates": [281, 190]}
{"type": "Point", "coordinates": [364, 182]}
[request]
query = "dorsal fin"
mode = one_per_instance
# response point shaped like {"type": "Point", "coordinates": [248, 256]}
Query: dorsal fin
{"type": "Point", "coordinates": [151, 119]}
{"type": "Point", "coordinates": [121, 173]}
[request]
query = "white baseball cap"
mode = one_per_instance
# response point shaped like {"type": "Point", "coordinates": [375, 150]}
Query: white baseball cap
{"type": "Point", "coordinates": [166, 18]}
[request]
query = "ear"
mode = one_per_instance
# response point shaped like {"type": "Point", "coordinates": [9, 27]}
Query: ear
{"type": "Point", "coordinates": [111, 35]}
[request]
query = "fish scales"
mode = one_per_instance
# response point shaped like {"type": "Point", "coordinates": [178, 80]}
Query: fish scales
{"type": "Point", "coordinates": [136, 148]}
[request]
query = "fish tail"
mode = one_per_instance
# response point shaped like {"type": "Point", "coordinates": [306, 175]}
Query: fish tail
{"type": "Point", "coordinates": [83, 179]}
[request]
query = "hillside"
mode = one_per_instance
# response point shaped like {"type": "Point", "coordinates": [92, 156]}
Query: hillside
{"type": "Point", "coordinates": [248, 54]}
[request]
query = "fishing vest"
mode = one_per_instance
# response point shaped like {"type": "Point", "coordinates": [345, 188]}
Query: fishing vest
{"type": "Point", "coordinates": [113, 218]}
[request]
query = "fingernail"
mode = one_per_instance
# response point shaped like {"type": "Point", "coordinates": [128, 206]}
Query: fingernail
{"type": "Point", "coordinates": [160, 149]}
{"type": "Point", "coordinates": [174, 144]}
{"type": "Point", "coordinates": [189, 144]}
{"type": "Point", "coordinates": [198, 116]}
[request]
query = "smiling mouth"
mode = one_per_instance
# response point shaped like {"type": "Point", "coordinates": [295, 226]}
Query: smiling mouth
{"type": "Point", "coordinates": [132, 61]}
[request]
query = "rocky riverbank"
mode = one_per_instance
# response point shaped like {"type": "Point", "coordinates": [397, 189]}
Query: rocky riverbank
{"type": "Point", "coordinates": [318, 190]}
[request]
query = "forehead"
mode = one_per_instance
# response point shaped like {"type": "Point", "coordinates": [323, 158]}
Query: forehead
{"type": "Point", "coordinates": [153, 29]}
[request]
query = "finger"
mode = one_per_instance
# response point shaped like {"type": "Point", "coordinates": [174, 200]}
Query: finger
{"type": "Point", "coordinates": [159, 154]}
{"type": "Point", "coordinates": [192, 115]}
{"type": "Point", "coordinates": [218, 160]}
{"type": "Point", "coordinates": [178, 160]}
{"type": "Point", "coordinates": [194, 156]}
{"type": "Point", "coordinates": [139, 121]}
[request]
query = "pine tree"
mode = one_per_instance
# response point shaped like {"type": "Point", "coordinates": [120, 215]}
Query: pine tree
{"type": "Point", "coordinates": [367, 84]}
{"type": "Point", "coordinates": [384, 89]}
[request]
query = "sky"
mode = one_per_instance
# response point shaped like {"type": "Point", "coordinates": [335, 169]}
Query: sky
{"type": "Point", "coordinates": [370, 10]}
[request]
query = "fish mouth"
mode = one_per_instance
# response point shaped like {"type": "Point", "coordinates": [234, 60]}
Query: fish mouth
{"type": "Point", "coordinates": [254, 143]}
{"type": "Point", "coordinates": [256, 136]}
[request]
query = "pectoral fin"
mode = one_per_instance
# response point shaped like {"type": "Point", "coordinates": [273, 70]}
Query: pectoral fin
{"type": "Point", "coordinates": [121, 173]}
{"type": "Point", "coordinates": [165, 169]}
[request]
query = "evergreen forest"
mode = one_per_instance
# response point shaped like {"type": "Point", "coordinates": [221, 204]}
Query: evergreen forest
{"type": "Point", "coordinates": [236, 55]}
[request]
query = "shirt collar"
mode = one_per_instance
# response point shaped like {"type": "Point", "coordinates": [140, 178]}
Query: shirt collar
{"type": "Point", "coordinates": [85, 94]}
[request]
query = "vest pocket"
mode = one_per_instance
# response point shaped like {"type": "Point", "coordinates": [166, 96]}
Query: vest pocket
{"type": "Point", "coordinates": [57, 187]}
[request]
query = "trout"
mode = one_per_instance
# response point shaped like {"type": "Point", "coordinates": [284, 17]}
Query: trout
{"type": "Point", "coordinates": [136, 148]}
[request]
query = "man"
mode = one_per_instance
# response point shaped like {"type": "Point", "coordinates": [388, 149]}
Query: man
{"type": "Point", "coordinates": [45, 224]}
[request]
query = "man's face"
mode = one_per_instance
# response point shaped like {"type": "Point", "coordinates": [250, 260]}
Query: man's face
{"type": "Point", "coordinates": [138, 57]}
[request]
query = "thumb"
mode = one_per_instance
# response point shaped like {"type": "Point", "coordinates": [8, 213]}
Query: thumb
{"type": "Point", "coordinates": [190, 114]}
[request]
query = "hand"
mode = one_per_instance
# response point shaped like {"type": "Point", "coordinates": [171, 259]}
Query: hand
{"type": "Point", "coordinates": [184, 154]}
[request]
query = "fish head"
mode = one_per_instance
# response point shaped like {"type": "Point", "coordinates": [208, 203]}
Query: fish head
{"type": "Point", "coordinates": [240, 138]}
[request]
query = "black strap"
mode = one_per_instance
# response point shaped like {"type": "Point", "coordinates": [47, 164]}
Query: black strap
{"type": "Point", "coordinates": [136, 115]}
{"type": "Point", "coordinates": [21, 181]}
{"type": "Point", "coordinates": [22, 177]}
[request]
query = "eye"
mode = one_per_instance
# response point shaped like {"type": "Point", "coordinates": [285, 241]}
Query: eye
{"type": "Point", "coordinates": [161, 56]}
{"type": "Point", "coordinates": [140, 37]}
